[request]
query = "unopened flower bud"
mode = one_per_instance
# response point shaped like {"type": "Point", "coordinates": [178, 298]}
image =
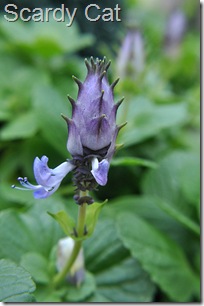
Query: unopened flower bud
{"type": "Point", "coordinates": [130, 60]}
{"type": "Point", "coordinates": [92, 130]}
{"type": "Point", "coordinates": [175, 29]}
{"type": "Point", "coordinates": [64, 251]}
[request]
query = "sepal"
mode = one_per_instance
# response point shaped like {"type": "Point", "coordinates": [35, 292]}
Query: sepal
{"type": "Point", "coordinates": [65, 221]}
{"type": "Point", "coordinates": [68, 224]}
{"type": "Point", "coordinates": [92, 215]}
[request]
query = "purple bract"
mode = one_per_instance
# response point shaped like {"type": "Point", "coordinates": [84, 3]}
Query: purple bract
{"type": "Point", "coordinates": [92, 133]}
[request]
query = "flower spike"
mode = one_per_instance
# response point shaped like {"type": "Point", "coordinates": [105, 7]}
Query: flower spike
{"type": "Point", "coordinates": [92, 133]}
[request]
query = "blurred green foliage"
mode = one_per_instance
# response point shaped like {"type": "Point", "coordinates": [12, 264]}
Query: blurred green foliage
{"type": "Point", "coordinates": [146, 245]}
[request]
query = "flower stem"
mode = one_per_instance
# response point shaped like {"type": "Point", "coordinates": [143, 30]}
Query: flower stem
{"type": "Point", "coordinates": [61, 275]}
{"type": "Point", "coordinates": [81, 220]}
{"type": "Point", "coordinates": [77, 244]}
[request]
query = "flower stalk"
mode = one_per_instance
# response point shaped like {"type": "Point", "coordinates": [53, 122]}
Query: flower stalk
{"type": "Point", "coordinates": [82, 216]}
{"type": "Point", "coordinates": [62, 274]}
{"type": "Point", "coordinates": [80, 231]}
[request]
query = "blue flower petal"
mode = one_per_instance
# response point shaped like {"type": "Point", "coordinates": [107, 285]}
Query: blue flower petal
{"type": "Point", "coordinates": [100, 171]}
{"type": "Point", "coordinates": [42, 193]}
{"type": "Point", "coordinates": [47, 177]}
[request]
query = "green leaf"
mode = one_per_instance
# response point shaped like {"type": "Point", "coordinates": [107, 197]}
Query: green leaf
{"type": "Point", "coordinates": [4, 115]}
{"type": "Point", "coordinates": [162, 258]}
{"type": "Point", "coordinates": [23, 126]}
{"type": "Point", "coordinates": [117, 275]}
{"type": "Point", "coordinates": [37, 266]}
{"type": "Point", "coordinates": [97, 298]}
{"type": "Point", "coordinates": [48, 106]}
{"type": "Point", "coordinates": [45, 294]}
{"type": "Point", "coordinates": [68, 292]}
{"type": "Point", "coordinates": [50, 39]}
{"type": "Point", "coordinates": [133, 161]}
{"type": "Point", "coordinates": [146, 119]}
{"type": "Point", "coordinates": [155, 211]}
{"type": "Point", "coordinates": [92, 214]}
{"type": "Point", "coordinates": [190, 184]}
{"type": "Point", "coordinates": [103, 249]}
{"type": "Point", "coordinates": [66, 222]}
{"type": "Point", "coordinates": [16, 284]}
{"type": "Point", "coordinates": [30, 231]}
{"type": "Point", "coordinates": [165, 182]}
{"type": "Point", "coordinates": [77, 294]}
{"type": "Point", "coordinates": [15, 237]}
{"type": "Point", "coordinates": [126, 282]}
{"type": "Point", "coordinates": [13, 195]}
{"type": "Point", "coordinates": [174, 213]}
{"type": "Point", "coordinates": [45, 39]}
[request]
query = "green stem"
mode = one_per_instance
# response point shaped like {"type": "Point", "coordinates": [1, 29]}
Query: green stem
{"type": "Point", "coordinates": [77, 244]}
{"type": "Point", "coordinates": [81, 220]}
{"type": "Point", "coordinates": [61, 275]}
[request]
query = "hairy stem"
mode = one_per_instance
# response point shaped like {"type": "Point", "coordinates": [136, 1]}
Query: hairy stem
{"type": "Point", "coordinates": [77, 244]}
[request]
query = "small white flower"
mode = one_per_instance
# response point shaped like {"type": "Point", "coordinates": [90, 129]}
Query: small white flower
{"type": "Point", "coordinates": [64, 251]}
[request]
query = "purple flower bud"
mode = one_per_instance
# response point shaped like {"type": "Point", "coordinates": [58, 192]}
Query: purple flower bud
{"type": "Point", "coordinates": [93, 129]}
{"type": "Point", "coordinates": [130, 60]}
{"type": "Point", "coordinates": [175, 30]}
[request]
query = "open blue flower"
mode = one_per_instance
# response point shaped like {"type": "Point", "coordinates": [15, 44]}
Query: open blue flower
{"type": "Point", "coordinates": [48, 179]}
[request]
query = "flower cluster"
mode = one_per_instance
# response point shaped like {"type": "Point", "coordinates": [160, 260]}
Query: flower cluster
{"type": "Point", "coordinates": [92, 133]}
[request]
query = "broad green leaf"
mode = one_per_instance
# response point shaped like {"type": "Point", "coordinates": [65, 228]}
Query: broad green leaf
{"type": "Point", "coordinates": [77, 294]}
{"type": "Point", "coordinates": [48, 106]}
{"type": "Point", "coordinates": [16, 284]}
{"type": "Point", "coordinates": [14, 196]}
{"type": "Point", "coordinates": [30, 231]}
{"type": "Point", "coordinates": [15, 237]}
{"type": "Point", "coordinates": [118, 277]}
{"type": "Point", "coordinates": [97, 298]}
{"type": "Point", "coordinates": [45, 39]}
{"type": "Point", "coordinates": [146, 119]}
{"type": "Point", "coordinates": [190, 184]}
{"type": "Point", "coordinates": [133, 161]}
{"type": "Point", "coordinates": [126, 282]}
{"type": "Point", "coordinates": [103, 249]}
{"type": "Point", "coordinates": [37, 266]}
{"type": "Point", "coordinates": [174, 213]}
{"type": "Point", "coordinates": [53, 34]}
{"type": "Point", "coordinates": [23, 126]}
{"type": "Point", "coordinates": [45, 294]}
{"type": "Point", "coordinates": [165, 181]}
{"type": "Point", "coordinates": [66, 222]}
{"type": "Point", "coordinates": [156, 211]}
{"type": "Point", "coordinates": [166, 219]}
{"type": "Point", "coordinates": [92, 213]}
{"type": "Point", "coordinates": [162, 258]}
{"type": "Point", "coordinates": [4, 115]}
{"type": "Point", "coordinates": [68, 292]}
